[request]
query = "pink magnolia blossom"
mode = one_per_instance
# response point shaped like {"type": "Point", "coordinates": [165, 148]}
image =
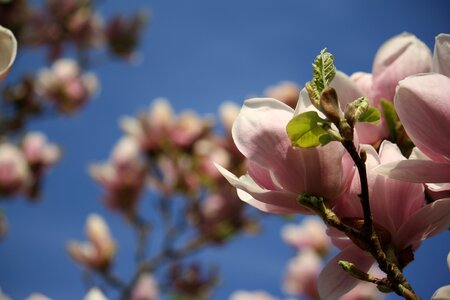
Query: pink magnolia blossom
{"type": "Point", "coordinates": [99, 251]}
{"type": "Point", "coordinates": [302, 274]}
{"type": "Point", "coordinates": [423, 105]}
{"type": "Point", "coordinates": [146, 288]}
{"type": "Point", "coordinates": [443, 293]}
{"type": "Point", "coordinates": [256, 295]}
{"type": "Point", "coordinates": [122, 176]}
{"type": "Point", "coordinates": [310, 233]}
{"type": "Point", "coordinates": [399, 212]}
{"type": "Point", "coordinates": [65, 86]}
{"type": "Point", "coordinates": [441, 55]}
{"type": "Point", "coordinates": [14, 171]}
{"type": "Point", "coordinates": [8, 51]}
{"type": "Point", "coordinates": [277, 172]}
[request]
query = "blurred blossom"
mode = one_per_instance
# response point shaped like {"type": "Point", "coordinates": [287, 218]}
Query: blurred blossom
{"type": "Point", "coordinates": [99, 251]}
{"type": "Point", "coordinates": [443, 293]}
{"type": "Point", "coordinates": [8, 50]}
{"type": "Point", "coordinates": [228, 112]}
{"type": "Point", "coordinates": [65, 86]}
{"type": "Point", "coordinates": [189, 128]}
{"type": "Point", "coordinates": [95, 294]}
{"type": "Point", "coordinates": [37, 296]}
{"type": "Point", "coordinates": [191, 281]}
{"type": "Point", "coordinates": [441, 55]}
{"type": "Point", "coordinates": [122, 33]}
{"type": "Point", "coordinates": [256, 295]}
{"type": "Point", "coordinates": [302, 274]}
{"type": "Point", "coordinates": [38, 151]}
{"type": "Point", "coordinates": [209, 151]}
{"type": "Point", "coordinates": [123, 176]}
{"type": "Point", "coordinates": [145, 289]}
{"type": "Point", "coordinates": [310, 233]}
{"type": "Point", "coordinates": [286, 91]}
{"type": "Point", "coordinates": [14, 172]}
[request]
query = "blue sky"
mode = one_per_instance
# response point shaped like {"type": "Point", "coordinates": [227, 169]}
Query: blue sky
{"type": "Point", "coordinates": [198, 54]}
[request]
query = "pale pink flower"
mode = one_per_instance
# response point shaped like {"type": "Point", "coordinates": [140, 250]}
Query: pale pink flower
{"type": "Point", "coordinates": [95, 294]}
{"type": "Point", "coordinates": [310, 233]}
{"type": "Point", "coordinates": [123, 176]}
{"type": "Point", "coordinates": [14, 171]}
{"type": "Point", "coordinates": [38, 151]}
{"type": "Point", "coordinates": [8, 51]}
{"type": "Point", "coordinates": [302, 274]}
{"type": "Point", "coordinates": [441, 55]}
{"type": "Point", "coordinates": [99, 251]}
{"type": "Point", "coordinates": [277, 172]}
{"type": "Point", "coordinates": [208, 152]}
{"type": "Point", "coordinates": [145, 289]}
{"type": "Point", "coordinates": [423, 105]}
{"type": "Point", "coordinates": [65, 86]}
{"type": "Point", "coordinates": [151, 129]}
{"type": "Point", "coordinates": [256, 295]}
{"type": "Point", "coordinates": [286, 92]}
{"type": "Point", "coordinates": [228, 112]}
{"type": "Point", "coordinates": [443, 293]}
{"type": "Point", "coordinates": [188, 129]}
{"type": "Point", "coordinates": [399, 212]}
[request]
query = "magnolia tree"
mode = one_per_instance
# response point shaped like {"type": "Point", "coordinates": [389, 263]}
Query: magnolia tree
{"type": "Point", "coordinates": [352, 150]}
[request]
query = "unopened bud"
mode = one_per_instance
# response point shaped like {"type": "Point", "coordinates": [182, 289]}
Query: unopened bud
{"type": "Point", "coordinates": [329, 105]}
{"type": "Point", "coordinates": [355, 109]}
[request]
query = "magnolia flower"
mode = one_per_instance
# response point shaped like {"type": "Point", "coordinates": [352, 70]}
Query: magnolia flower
{"type": "Point", "coordinates": [228, 112]}
{"type": "Point", "coordinates": [145, 289]}
{"type": "Point", "coordinates": [443, 293]}
{"type": "Point", "coordinates": [99, 251]}
{"type": "Point", "coordinates": [423, 106]}
{"type": "Point", "coordinates": [38, 151]}
{"type": "Point", "coordinates": [286, 92]}
{"type": "Point", "coordinates": [188, 128]}
{"type": "Point", "coordinates": [310, 233]}
{"type": "Point", "coordinates": [14, 171]}
{"type": "Point", "coordinates": [441, 55]}
{"type": "Point", "coordinates": [95, 294]}
{"type": "Point", "coordinates": [65, 86]}
{"type": "Point", "coordinates": [302, 274]}
{"type": "Point", "coordinates": [400, 216]}
{"type": "Point", "coordinates": [256, 295]}
{"type": "Point", "coordinates": [8, 51]}
{"type": "Point", "coordinates": [122, 176]}
{"type": "Point", "coordinates": [277, 172]}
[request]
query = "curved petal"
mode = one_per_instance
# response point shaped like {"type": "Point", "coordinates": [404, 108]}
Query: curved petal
{"type": "Point", "coordinates": [334, 281]}
{"type": "Point", "coordinates": [364, 82]}
{"type": "Point", "coordinates": [442, 293]}
{"type": "Point", "coordinates": [346, 89]}
{"type": "Point", "coordinates": [399, 57]}
{"type": "Point", "coordinates": [423, 105]}
{"type": "Point", "coordinates": [414, 170]}
{"type": "Point", "coordinates": [441, 56]}
{"type": "Point", "coordinates": [8, 50]}
{"type": "Point", "coordinates": [426, 222]}
{"type": "Point", "coordinates": [277, 201]}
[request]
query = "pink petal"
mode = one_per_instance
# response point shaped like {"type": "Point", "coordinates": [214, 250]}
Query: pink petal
{"type": "Point", "coordinates": [428, 221]}
{"type": "Point", "coordinates": [442, 293]}
{"type": "Point", "coordinates": [441, 56]}
{"type": "Point", "coordinates": [346, 89]}
{"type": "Point", "coordinates": [269, 200]}
{"type": "Point", "coordinates": [363, 81]}
{"type": "Point", "coordinates": [423, 105]}
{"type": "Point", "coordinates": [413, 170]}
{"type": "Point", "coordinates": [334, 281]}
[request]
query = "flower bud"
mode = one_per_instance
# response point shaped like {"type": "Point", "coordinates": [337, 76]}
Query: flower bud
{"type": "Point", "coordinates": [330, 105]}
{"type": "Point", "coordinates": [441, 56]}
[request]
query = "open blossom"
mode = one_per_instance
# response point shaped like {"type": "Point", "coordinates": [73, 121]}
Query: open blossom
{"type": "Point", "coordinates": [310, 233]}
{"type": "Point", "coordinates": [400, 216]}
{"type": "Point", "coordinates": [443, 293]}
{"type": "Point", "coordinates": [14, 171]}
{"type": "Point", "coordinates": [278, 172]}
{"type": "Point", "coordinates": [38, 151]}
{"type": "Point", "coordinates": [122, 176]}
{"type": "Point", "coordinates": [99, 251]}
{"type": "Point", "coordinates": [146, 288]}
{"type": "Point", "coordinates": [256, 295]}
{"type": "Point", "coordinates": [65, 86]}
{"type": "Point", "coordinates": [8, 50]}
{"type": "Point", "coordinates": [302, 274]}
{"type": "Point", "coordinates": [422, 103]}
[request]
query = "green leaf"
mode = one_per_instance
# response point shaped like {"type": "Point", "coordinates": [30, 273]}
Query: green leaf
{"type": "Point", "coordinates": [391, 118]}
{"type": "Point", "coordinates": [308, 130]}
{"type": "Point", "coordinates": [324, 70]}
{"type": "Point", "coordinates": [371, 115]}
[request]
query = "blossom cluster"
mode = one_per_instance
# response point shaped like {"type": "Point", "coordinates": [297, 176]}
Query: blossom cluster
{"type": "Point", "coordinates": [408, 206]}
